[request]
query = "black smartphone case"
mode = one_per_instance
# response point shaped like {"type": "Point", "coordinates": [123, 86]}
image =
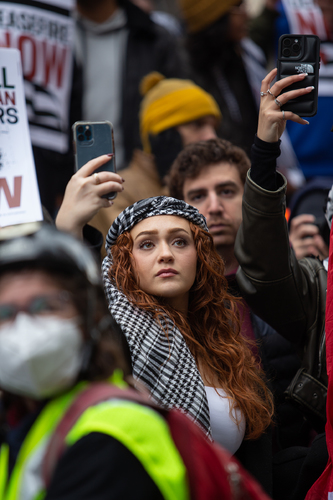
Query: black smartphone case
{"type": "Point", "coordinates": [307, 61]}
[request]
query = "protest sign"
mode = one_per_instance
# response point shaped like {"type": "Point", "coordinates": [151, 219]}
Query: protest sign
{"type": "Point", "coordinates": [44, 33]}
{"type": "Point", "coordinates": [306, 17]}
{"type": "Point", "coordinates": [19, 196]}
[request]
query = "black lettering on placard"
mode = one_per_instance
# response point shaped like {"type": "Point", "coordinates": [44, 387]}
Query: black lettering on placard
{"type": "Point", "coordinates": [4, 83]}
{"type": "Point", "coordinates": [8, 115]}
{"type": "Point", "coordinates": [12, 115]}
{"type": "Point", "coordinates": [36, 25]}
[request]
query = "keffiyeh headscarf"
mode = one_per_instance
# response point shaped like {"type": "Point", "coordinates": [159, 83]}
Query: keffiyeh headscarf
{"type": "Point", "coordinates": [165, 365]}
{"type": "Point", "coordinates": [158, 205]}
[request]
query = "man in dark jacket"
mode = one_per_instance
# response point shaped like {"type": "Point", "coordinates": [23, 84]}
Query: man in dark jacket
{"type": "Point", "coordinates": [118, 44]}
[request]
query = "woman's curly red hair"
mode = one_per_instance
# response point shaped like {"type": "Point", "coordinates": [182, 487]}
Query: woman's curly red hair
{"type": "Point", "coordinates": [211, 328]}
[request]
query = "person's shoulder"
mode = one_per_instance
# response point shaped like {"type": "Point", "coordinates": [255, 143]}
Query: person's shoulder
{"type": "Point", "coordinates": [141, 24]}
{"type": "Point", "coordinates": [168, 21]}
{"type": "Point", "coordinates": [138, 21]}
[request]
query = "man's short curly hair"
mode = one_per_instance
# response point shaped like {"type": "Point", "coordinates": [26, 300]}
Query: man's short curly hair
{"type": "Point", "coordinates": [196, 157]}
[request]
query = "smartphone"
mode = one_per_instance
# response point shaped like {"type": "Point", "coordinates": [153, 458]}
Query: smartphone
{"type": "Point", "coordinates": [92, 139]}
{"type": "Point", "coordinates": [300, 54]}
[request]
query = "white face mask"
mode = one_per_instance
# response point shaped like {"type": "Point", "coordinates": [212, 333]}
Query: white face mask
{"type": "Point", "coordinates": [39, 356]}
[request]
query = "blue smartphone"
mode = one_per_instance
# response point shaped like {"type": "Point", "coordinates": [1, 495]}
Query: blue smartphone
{"type": "Point", "coordinates": [93, 139]}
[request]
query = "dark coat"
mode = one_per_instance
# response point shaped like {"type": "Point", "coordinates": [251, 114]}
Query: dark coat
{"type": "Point", "coordinates": [149, 48]}
{"type": "Point", "coordinates": [55, 169]}
{"type": "Point", "coordinates": [288, 294]}
{"type": "Point", "coordinates": [280, 363]}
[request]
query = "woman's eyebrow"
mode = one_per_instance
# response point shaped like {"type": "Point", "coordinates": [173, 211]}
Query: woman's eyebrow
{"type": "Point", "coordinates": [155, 231]}
{"type": "Point", "coordinates": [144, 233]}
{"type": "Point", "coordinates": [176, 229]}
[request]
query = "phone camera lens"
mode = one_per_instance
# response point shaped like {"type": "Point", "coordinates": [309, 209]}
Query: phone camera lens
{"type": "Point", "coordinates": [296, 48]}
{"type": "Point", "coordinates": [286, 52]}
{"type": "Point", "coordinates": [80, 137]}
{"type": "Point", "coordinates": [287, 42]}
{"type": "Point", "coordinates": [88, 134]}
{"type": "Point", "coordinates": [80, 129]}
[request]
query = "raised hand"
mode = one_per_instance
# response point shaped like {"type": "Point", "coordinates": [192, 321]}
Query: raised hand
{"type": "Point", "coordinates": [83, 195]}
{"type": "Point", "coordinates": [272, 120]}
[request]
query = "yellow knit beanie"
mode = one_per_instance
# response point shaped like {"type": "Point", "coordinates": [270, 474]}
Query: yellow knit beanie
{"type": "Point", "coordinates": [200, 14]}
{"type": "Point", "coordinates": [169, 102]}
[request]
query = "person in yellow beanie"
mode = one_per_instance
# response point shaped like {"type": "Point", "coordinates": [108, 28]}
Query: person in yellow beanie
{"type": "Point", "coordinates": [173, 114]}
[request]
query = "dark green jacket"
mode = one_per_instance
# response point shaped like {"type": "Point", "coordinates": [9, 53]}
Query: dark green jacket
{"type": "Point", "coordinates": [289, 295]}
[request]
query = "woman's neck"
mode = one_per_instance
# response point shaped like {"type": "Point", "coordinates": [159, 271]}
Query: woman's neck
{"type": "Point", "coordinates": [179, 303]}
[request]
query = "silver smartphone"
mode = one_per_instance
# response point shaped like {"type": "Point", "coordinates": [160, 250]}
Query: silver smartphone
{"type": "Point", "coordinates": [93, 139]}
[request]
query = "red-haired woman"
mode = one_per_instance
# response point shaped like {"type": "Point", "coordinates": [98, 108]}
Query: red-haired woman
{"type": "Point", "coordinates": [166, 289]}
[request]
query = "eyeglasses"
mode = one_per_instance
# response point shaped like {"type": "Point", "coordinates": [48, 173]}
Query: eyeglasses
{"type": "Point", "coordinates": [39, 306]}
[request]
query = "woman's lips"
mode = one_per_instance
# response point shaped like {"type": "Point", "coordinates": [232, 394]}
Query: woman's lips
{"type": "Point", "coordinates": [166, 273]}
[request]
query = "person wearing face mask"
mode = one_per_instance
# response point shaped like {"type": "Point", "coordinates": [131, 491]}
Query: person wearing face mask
{"type": "Point", "coordinates": [57, 341]}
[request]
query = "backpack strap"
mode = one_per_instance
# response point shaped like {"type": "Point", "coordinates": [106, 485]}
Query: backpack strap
{"type": "Point", "coordinates": [95, 393]}
{"type": "Point", "coordinates": [212, 472]}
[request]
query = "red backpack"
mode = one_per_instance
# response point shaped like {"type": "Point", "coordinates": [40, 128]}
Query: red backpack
{"type": "Point", "coordinates": [213, 473]}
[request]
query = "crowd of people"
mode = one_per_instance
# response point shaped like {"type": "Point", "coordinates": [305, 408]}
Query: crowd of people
{"type": "Point", "coordinates": [169, 343]}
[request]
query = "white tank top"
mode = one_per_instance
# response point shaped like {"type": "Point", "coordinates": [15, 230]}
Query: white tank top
{"type": "Point", "coordinates": [225, 430]}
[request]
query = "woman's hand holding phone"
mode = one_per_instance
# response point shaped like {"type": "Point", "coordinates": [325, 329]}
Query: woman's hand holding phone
{"type": "Point", "coordinates": [83, 195]}
{"type": "Point", "coordinates": [272, 120]}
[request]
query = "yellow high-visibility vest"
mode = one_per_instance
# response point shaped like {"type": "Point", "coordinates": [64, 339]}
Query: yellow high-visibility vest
{"type": "Point", "coordinates": [142, 430]}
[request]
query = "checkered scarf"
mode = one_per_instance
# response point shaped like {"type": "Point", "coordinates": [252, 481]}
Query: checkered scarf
{"type": "Point", "coordinates": [158, 205]}
{"type": "Point", "coordinates": [164, 364]}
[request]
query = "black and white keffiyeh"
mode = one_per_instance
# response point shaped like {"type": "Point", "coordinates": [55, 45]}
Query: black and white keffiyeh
{"type": "Point", "coordinates": [165, 365]}
{"type": "Point", "coordinates": [158, 205]}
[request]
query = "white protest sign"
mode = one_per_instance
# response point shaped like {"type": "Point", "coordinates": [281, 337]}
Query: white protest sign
{"type": "Point", "coordinates": [44, 33]}
{"type": "Point", "coordinates": [19, 195]}
{"type": "Point", "coordinates": [306, 17]}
